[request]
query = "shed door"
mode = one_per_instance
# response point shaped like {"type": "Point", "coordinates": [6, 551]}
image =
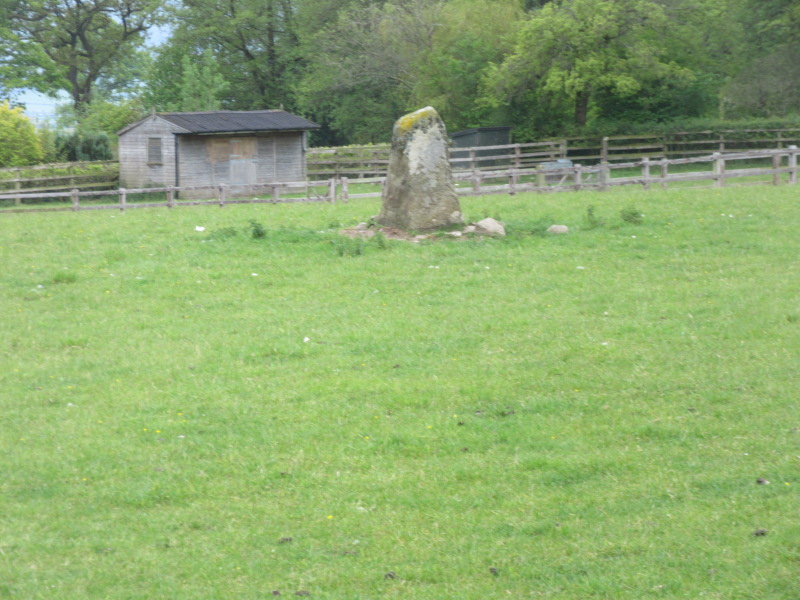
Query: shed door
{"type": "Point", "coordinates": [243, 161]}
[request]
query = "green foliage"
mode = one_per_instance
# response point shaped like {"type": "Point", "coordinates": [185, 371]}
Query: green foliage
{"type": "Point", "coordinates": [546, 67]}
{"type": "Point", "coordinates": [768, 87]}
{"type": "Point", "coordinates": [570, 50]}
{"type": "Point", "coordinates": [197, 86]}
{"type": "Point", "coordinates": [71, 45]}
{"type": "Point", "coordinates": [257, 230]}
{"type": "Point", "coordinates": [48, 140]}
{"type": "Point", "coordinates": [593, 221]}
{"type": "Point", "coordinates": [77, 147]}
{"type": "Point", "coordinates": [19, 143]}
{"type": "Point", "coordinates": [632, 215]}
{"type": "Point", "coordinates": [109, 117]}
{"type": "Point", "coordinates": [255, 51]}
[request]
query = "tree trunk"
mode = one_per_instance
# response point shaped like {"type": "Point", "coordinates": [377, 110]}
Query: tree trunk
{"type": "Point", "coordinates": [581, 107]}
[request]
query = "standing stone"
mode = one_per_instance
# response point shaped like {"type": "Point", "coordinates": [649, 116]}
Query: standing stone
{"type": "Point", "coordinates": [419, 193]}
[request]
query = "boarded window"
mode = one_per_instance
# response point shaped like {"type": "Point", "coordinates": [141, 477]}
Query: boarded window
{"type": "Point", "coordinates": [154, 151]}
{"type": "Point", "coordinates": [243, 148]}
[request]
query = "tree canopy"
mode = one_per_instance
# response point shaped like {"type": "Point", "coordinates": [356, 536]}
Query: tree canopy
{"type": "Point", "coordinates": [545, 67]}
{"type": "Point", "coordinates": [71, 44]}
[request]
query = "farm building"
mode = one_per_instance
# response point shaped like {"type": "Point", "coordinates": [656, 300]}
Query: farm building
{"type": "Point", "coordinates": [236, 148]}
{"type": "Point", "coordinates": [476, 137]}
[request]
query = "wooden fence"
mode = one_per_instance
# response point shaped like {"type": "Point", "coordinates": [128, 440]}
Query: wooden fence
{"type": "Point", "coordinates": [221, 194]}
{"type": "Point", "coordinates": [60, 177]}
{"type": "Point", "coordinates": [372, 161]}
{"type": "Point", "coordinates": [773, 167]}
{"type": "Point", "coordinates": [781, 168]}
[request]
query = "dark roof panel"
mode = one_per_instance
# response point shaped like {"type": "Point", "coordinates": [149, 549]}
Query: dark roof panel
{"type": "Point", "coordinates": [224, 121]}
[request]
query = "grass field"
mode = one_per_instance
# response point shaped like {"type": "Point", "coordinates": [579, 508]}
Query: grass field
{"type": "Point", "coordinates": [213, 415]}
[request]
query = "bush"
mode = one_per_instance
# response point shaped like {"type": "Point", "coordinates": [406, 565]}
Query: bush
{"type": "Point", "coordinates": [79, 147]}
{"type": "Point", "coordinates": [19, 143]}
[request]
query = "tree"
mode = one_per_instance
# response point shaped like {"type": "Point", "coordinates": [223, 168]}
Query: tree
{"type": "Point", "coordinates": [19, 143]}
{"type": "Point", "coordinates": [768, 87]}
{"type": "Point", "coordinates": [254, 43]}
{"type": "Point", "coordinates": [360, 79]}
{"type": "Point", "coordinates": [470, 35]}
{"type": "Point", "coordinates": [70, 44]}
{"type": "Point", "coordinates": [197, 86]}
{"type": "Point", "coordinates": [571, 49]}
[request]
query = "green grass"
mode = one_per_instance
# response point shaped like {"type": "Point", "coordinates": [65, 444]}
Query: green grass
{"type": "Point", "coordinates": [584, 415]}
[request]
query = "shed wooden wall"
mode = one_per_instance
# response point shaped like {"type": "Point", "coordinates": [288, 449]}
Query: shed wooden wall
{"type": "Point", "coordinates": [238, 160]}
{"type": "Point", "coordinates": [134, 170]}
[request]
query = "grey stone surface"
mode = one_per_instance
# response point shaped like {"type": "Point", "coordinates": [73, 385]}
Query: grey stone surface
{"type": "Point", "coordinates": [489, 226]}
{"type": "Point", "coordinates": [419, 193]}
{"type": "Point", "coordinates": [558, 229]}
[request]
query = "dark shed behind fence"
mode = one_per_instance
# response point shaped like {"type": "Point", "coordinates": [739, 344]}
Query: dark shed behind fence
{"type": "Point", "coordinates": [480, 136]}
{"type": "Point", "coordinates": [241, 149]}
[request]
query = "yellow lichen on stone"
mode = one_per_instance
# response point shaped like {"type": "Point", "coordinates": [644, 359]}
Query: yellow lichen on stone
{"type": "Point", "coordinates": [406, 122]}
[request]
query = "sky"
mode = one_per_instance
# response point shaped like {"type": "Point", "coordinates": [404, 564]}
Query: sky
{"type": "Point", "coordinates": [40, 109]}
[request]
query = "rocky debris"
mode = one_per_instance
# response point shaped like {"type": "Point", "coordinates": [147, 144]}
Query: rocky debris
{"type": "Point", "coordinates": [558, 229]}
{"type": "Point", "coordinates": [485, 227]}
{"type": "Point", "coordinates": [490, 226]}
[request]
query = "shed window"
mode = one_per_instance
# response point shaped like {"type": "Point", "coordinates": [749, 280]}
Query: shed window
{"type": "Point", "coordinates": [154, 151]}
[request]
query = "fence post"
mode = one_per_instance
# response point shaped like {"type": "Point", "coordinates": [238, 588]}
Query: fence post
{"type": "Point", "coordinates": [792, 165]}
{"type": "Point", "coordinates": [221, 195]}
{"type": "Point", "coordinates": [170, 198]}
{"type": "Point", "coordinates": [776, 165]}
{"type": "Point", "coordinates": [345, 190]}
{"type": "Point", "coordinates": [476, 181]}
{"type": "Point", "coordinates": [123, 199]}
{"type": "Point", "coordinates": [276, 193]}
{"type": "Point", "coordinates": [646, 173]}
{"type": "Point", "coordinates": [17, 186]}
{"type": "Point", "coordinates": [562, 148]}
{"type": "Point", "coordinates": [517, 156]}
{"type": "Point", "coordinates": [664, 168]}
{"type": "Point", "coordinates": [605, 175]}
{"type": "Point", "coordinates": [512, 182]}
{"type": "Point", "coordinates": [541, 180]}
{"type": "Point", "coordinates": [74, 195]}
{"type": "Point", "coordinates": [604, 151]}
{"type": "Point", "coordinates": [578, 177]}
{"type": "Point", "coordinates": [719, 169]}
{"type": "Point", "coordinates": [472, 164]}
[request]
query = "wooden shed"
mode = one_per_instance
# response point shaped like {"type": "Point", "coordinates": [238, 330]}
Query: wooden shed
{"type": "Point", "coordinates": [241, 149]}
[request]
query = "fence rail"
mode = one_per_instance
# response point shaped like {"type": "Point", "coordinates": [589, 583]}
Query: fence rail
{"type": "Point", "coordinates": [221, 194]}
{"type": "Point", "coordinates": [59, 177]}
{"type": "Point", "coordinates": [775, 167]}
{"type": "Point", "coordinates": [372, 161]}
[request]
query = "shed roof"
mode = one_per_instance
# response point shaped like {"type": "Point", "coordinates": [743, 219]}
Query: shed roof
{"type": "Point", "coordinates": [234, 121]}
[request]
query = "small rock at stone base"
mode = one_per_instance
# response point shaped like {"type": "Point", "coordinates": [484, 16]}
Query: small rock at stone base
{"type": "Point", "coordinates": [489, 226]}
{"type": "Point", "coordinates": [558, 229]}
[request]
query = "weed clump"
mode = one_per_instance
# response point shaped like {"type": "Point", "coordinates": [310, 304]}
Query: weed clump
{"type": "Point", "coordinates": [257, 230]}
{"type": "Point", "coordinates": [348, 246]}
{"type": "Point", "coordinates": [592, 220]}
{"type": "Point", "coordinates": [64, 278]}
{"type": "Point", "coordinates": [632, 215]}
